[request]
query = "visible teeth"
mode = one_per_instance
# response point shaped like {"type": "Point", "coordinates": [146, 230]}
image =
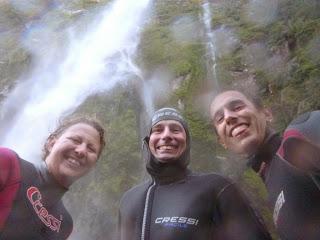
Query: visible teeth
{"type": "Point", "coordinates": [166, 147]}
{"type": "Point", "coordinates": [74, 162]}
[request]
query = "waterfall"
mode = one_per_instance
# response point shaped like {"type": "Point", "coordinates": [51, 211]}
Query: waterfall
{"type": "Point", "coordinates": [148, 99]}
{"type": "Point", "coordinates": [94, 62]}
{"type": "Point", "coordinates": [210, 45]}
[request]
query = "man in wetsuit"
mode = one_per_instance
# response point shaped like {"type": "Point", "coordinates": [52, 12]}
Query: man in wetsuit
{"type": "Point", "coordinates": [177, 204]}
{"type": "Point", "coordinates": [288, 165]}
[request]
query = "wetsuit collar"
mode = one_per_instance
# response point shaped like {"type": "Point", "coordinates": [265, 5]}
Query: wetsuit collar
{"type": "Point", "coordinates": [265, 152]}
{"type": "Point", "coordinates": [164, 173]}
{"type": "Point", "coordinates": [52, 190]}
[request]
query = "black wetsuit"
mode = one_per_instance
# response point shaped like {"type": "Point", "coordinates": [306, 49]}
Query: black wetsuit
{"type": "Point", "coordinates": [291, 177]}
{"type": "Point", "coordinates": [177, 204]}
{"type": "Point", "coordinates": [30, 201]}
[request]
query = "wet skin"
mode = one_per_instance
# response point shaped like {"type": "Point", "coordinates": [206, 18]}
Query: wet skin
{"type": "Point", "coordinates": [167, 140]}
{"type": "Point", "coordinates": [240, 126]}
{"type": "Point", "coordinates": [73, 153]}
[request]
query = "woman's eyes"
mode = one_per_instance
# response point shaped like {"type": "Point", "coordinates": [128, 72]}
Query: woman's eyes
{"type": "Point", "coordinates": [92, 149]}
{"type": "Point", "coordinates": [238, 107]}
{"type": "Point", "coordinates": [75, 140]}
{"type": "Point", "coordinates": [79, 141]}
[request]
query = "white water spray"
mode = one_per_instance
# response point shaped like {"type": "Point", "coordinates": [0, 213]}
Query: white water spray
{"type": "Point", "coordinates": [156, 90]}
{"type": "Point", "coordinates": [210, 41]}
{"type": "Point", "coordinates": [93, 63]}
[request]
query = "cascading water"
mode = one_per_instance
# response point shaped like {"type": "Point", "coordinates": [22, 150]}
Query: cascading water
{"type": "Point", "coordinates": [155, 89]}
{"type": "Point", "coordinates": [210, 42]}
{"type": "Point", "coordinates": [148, 99]}
{"type": "Point", "coordinates": [59, 84]}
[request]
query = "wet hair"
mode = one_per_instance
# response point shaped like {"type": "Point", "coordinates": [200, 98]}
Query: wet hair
{"type": "Point", "coordinates": [65, 124]}
{"type": "Point", "coordinates": [249, 91]}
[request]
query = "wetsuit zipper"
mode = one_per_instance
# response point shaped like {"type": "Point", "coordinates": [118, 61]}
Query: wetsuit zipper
{"type": "Point", "coordinates": [145, 212]}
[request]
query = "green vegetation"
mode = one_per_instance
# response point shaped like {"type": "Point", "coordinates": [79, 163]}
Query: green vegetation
{"type": "Point", "coordinates": [287, 76]}
{"type": "Point", "coordinates": [292, 35]}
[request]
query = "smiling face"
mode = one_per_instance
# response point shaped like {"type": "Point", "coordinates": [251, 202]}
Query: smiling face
{"type": "Point", "coordinates": [240, 126]}
{"type": "Point", "coordinates": [167, 140]}
{"type": "Point", "coordinates": [73, 153]}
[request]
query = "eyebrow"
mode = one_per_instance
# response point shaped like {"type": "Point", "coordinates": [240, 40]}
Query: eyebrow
{"type": "Point", "coordinates": [157, 125]}
{"type": "Point", "coordinates": [230, 104]}
{"type": "Point", "coordinates": [176, 125]}
{"type": "Point", "coordinates": [173, 124]}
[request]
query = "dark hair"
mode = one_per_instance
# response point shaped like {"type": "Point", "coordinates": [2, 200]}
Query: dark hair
{"type": "Point", "coordinates": [250, 91]}
{"type": "Point", "coordinates": [65, 124]}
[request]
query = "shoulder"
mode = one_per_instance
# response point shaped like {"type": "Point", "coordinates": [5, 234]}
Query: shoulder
{"type": "Point", "coordinates": [213, 183]}
{"type": "Point", "coordinates": [9, 159]}
{"type": "Point", "coordinates": [132, 201]}
{"type": "Point", "coordinates": [135, 192]}
{"type": "Point", "coordinates": [213, 178]}
{"type": "Point", "coordinates": [304, 127]}
{"type": "Point", "coordinates": [9, 166]}
{"type": "Point", "coordinates": [7, 154]}
{"type": "Point", "coordinates": [301, 142]}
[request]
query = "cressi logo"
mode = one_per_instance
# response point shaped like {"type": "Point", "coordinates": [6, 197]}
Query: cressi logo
{"type": "Point", "coordinates": [50, 221]}
{"type": "Point", "coordinates": [179, 222]}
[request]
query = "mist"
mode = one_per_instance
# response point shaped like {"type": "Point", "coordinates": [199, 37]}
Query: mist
{"type": "Point", "coordinates": [64, 75]}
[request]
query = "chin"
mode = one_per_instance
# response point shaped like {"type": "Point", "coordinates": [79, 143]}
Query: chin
{"type": "Point", "coordinates": [249, 147]}
{"type": "Point", "coordinates": [166, 159]}
{"type": "Point", "coordinates": [70, 174]}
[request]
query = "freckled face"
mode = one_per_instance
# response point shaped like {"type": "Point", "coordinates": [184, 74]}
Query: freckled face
{"type": "Point", "coordinates": [240, 126]}
{"type": "Point", "coordinates": [73, 153]}
{"type": "Point", "coordinates": [167, 140]}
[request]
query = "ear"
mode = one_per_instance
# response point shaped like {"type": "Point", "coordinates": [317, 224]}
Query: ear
{"type": "Point", "coordinates": [267, 112]}
{"type": "Point", "coordinates": [50, 143]}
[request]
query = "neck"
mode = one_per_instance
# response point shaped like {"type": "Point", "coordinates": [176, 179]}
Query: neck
{"type": "Point", "coordinates": [266, 151]}
{"type": "Point", "coordinates": [61, 180]}
{"type": "Point", "coordinates": [167, 172]}
{"type": "Point", "coordinates": [52, 189]}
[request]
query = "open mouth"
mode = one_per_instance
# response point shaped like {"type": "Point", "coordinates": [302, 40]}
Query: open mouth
{"type": "Point", "coordinates": [166, 147]}
{"type": "Point", "coordinates": [73, 163]}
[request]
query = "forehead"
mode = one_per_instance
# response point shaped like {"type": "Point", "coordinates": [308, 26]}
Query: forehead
{"type": "Point", "coordinates": [164, 123]}
{"type": "Point", "coordinates": [226, 98]}
{"type": "Point", "coordinates": [82, 129]}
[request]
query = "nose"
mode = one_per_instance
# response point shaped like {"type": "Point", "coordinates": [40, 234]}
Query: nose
{"type": "Point", "coordinates": [81, 150]}
{"type": "Point", "coordinates": [230, 116]}
{"type": "Point", "coordinates": [166, 134]}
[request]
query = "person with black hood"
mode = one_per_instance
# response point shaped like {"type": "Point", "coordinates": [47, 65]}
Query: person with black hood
{"type": "Point", "coordinates": [177, 204]}
{"type": "Point", "coordinates": [289, 165]}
